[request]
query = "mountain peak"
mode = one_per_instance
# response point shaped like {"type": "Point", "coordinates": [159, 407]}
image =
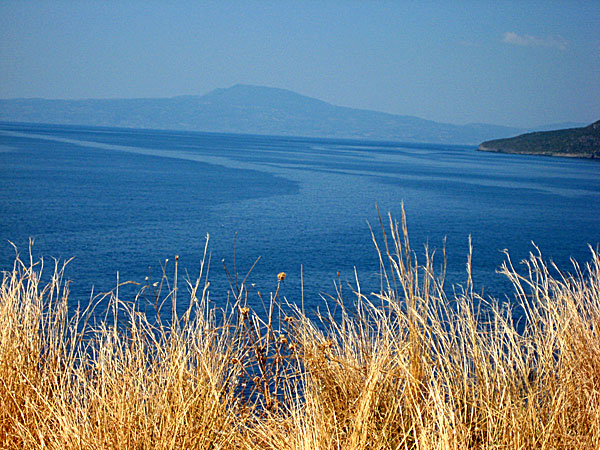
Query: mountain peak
{"type": "Point", "coordinates": [262, 96]}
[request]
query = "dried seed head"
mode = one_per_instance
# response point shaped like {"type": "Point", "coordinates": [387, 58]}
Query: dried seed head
{"type": "Point", "coordinates": [283, 340]}
{"type": "Point", "coordinates": [288, 319]}
{"type": "Point", "coordinates": [326, 345]}
{"type": "Point", "coordinates": [281, 276]}
{"type": "Point", "coordinates": [256, 380]}
{"type": "Point", "coordinates": [292, 347]}
{"type": "Point", "coordinates": [244, 311]}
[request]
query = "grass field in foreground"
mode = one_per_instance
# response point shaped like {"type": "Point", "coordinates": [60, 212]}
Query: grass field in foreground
{"type": "Point", "coordinates": [406, 368]}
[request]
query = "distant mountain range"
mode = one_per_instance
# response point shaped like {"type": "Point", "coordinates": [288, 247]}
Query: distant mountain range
{"type": "Point", "coordinates": [581, 142]}
{"type": "Point", "coordinates": [249, 110]}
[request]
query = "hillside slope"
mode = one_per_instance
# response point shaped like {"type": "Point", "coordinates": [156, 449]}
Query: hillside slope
{"type": "Point", "coordinates": [248, 109]}
{"type": "Point", "coordinates": [574, 142]}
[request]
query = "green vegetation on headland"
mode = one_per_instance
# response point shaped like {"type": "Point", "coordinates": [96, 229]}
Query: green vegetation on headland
{"type": "Point", "coordinates": [575, 142]}
{"type": "Point", "coordinates": [405, 368]}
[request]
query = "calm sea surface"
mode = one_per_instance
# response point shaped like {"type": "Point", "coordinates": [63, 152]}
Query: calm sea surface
{"type": "Point", "coordinates": [125, 200]}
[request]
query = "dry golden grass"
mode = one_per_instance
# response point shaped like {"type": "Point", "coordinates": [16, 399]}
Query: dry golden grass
{"type": "Point", "coordinates": [407, 368]}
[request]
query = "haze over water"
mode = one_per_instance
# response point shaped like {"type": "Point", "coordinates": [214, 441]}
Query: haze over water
{"type": "Point", "coordinates": [123, 200]}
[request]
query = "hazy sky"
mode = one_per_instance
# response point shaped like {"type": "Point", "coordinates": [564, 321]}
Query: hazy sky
{"type": "Point", "coordinates": [511, 63]}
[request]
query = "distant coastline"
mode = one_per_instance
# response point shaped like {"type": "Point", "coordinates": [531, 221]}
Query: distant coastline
{"type": "Point", "coordinates": [569, 143]}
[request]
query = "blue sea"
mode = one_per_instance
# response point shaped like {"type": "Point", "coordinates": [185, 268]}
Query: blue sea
{"type": "Point", "coordinates": [123, 201]}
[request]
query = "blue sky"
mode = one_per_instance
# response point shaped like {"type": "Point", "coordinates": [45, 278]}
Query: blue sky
{"type": "Point", "coordinates": [510, 63]}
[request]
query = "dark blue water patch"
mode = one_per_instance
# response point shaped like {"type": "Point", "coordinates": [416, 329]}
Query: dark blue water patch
{"type": "Point", "coordinates": [498, 218]}
{"type": "Point", "coordinates": [112, 210]}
